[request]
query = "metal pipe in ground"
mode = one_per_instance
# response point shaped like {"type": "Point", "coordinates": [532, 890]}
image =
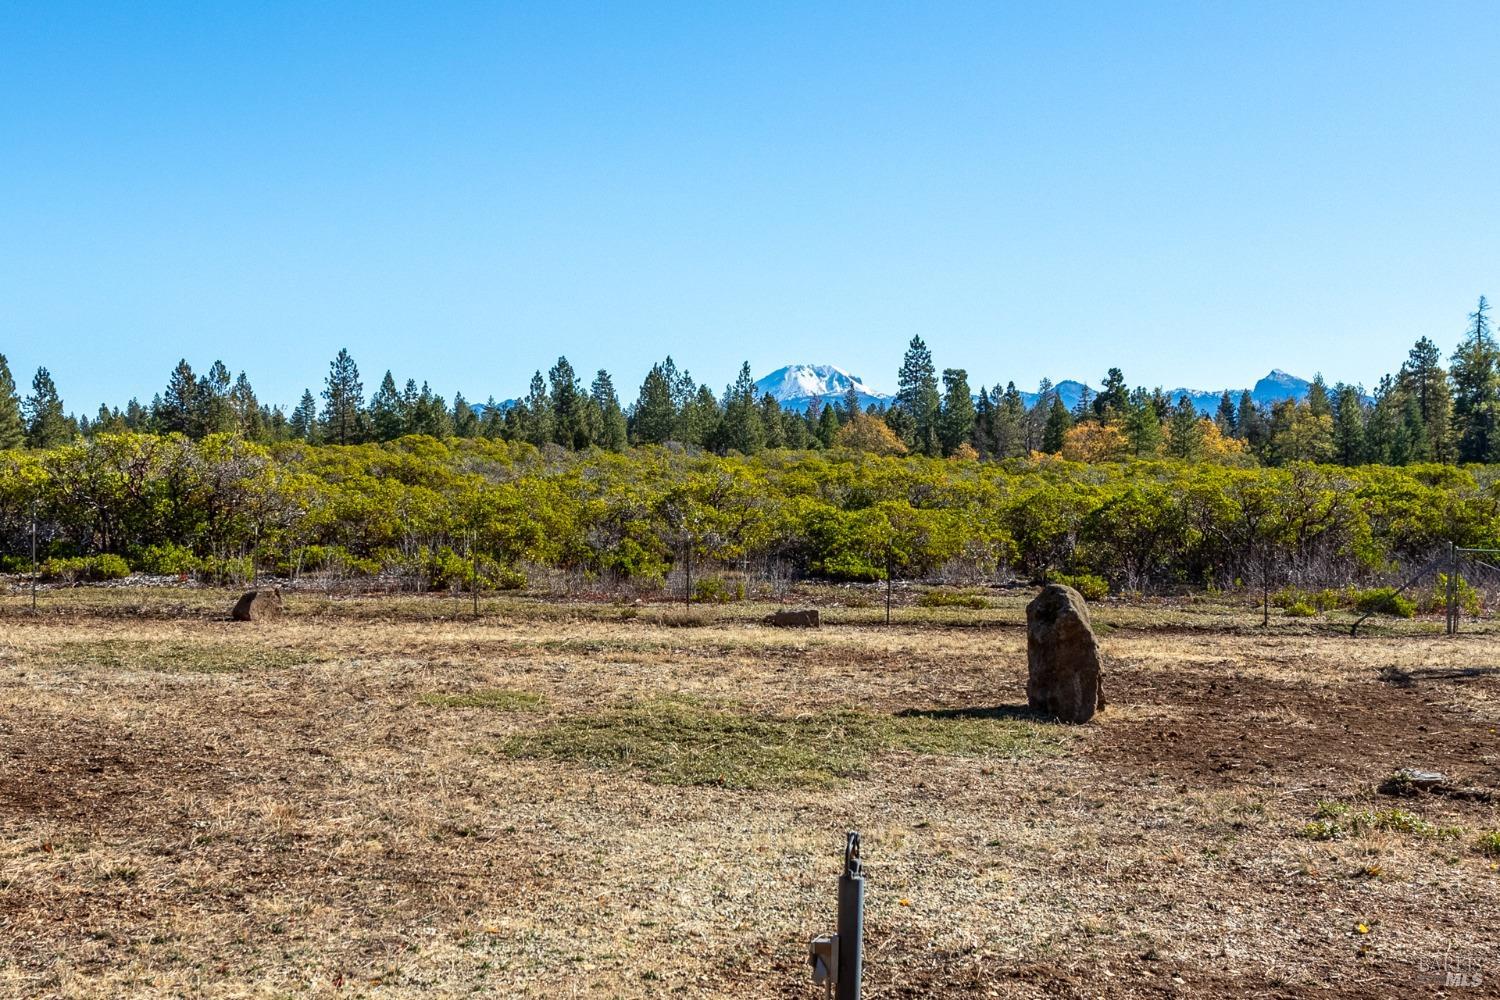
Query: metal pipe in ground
{"type": "Point", "coordinates": [851, 929]}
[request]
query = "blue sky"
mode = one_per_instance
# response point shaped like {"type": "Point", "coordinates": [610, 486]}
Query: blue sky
{"type": "Point", "coordinates": [1195, 192]}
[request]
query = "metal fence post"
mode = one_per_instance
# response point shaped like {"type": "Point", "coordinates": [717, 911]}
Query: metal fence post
{"type": "Point", "coordinates": [851, 928]}
{"type": "Point", "coordinates": [33, 556]}
{"type": "Point", "coordinates": [1452, 593]}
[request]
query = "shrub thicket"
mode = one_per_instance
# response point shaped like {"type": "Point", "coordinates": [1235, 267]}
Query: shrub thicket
{"type": "Point", "coordinates": [444, 512]}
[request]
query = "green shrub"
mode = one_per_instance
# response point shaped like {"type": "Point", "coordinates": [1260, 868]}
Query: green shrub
{"type": "Point", "coordinates": [1396, 820]}
{"type": "Point", "coordinates": [1489, 843]}
{"type": "Point", "coordinates": [1320, 829]}
{"type": "Point", "coordinates": [1334, 820]}
{"type": "Point", "coordinates": [1300, 609]}
{"type": "Point", "coordinates": [108, 567]}
{"type": "Point", "coordinates": [1436, 599]}
{"type": "Point", "coordinates": [1317, 601]}
{"type": "Point", "coordinates": [1385, 601]}
{"type": "Point", "coordinates": [1093, 588]}
{"type": "Point", "coordinates": [713, 590]}
{"type": "Point", "coordinates": [509, 578]}
{"type": "Point", "coordinates": [167, 560]}
{"type": "Point", "coordinates": [952, 599]}
{"type": "Point", "coordinates": [91, 569]}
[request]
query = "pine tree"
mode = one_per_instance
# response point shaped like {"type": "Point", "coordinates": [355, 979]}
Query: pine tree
{"type": "Point", "coordinates": [1409, 442]}
{"type": "Point", "coordinates": [137, 417]}
{"type": "Point", "coordinates": [741, 428]}
{"type": "Point", "coordinates": [1423, 377]}
{"type": "Point", "coordinates": [917, 396]}
{"type": "Point", "coordinates": [1388, 429]}
{"type": "Point", "coordinates": [107, 421]}
{"type": "Point", "coordinates": [1084, 410]}
{"type": "Point", "coordinates": [771, 422]}
{"type": "Point", "coordinates": [246, 410]}
{"type": "Point", "coordinates": [274, 424]}
{"type": "Point", "coordinates": [983, 436]}
{"type": "Point", "coordinates": [388, 417]}
{"type": "Point", "coordinates": [46, 424]}
{"type": "Point", "coordinates": [612, 432]}
{"type": "Point", "coordinates": [1035, 424]}
{"type": "Point", "coordinates": [1319, 404]}
{"type": "Point", "coordinates": [828, 426]}
{"type": "Point", "coordinates": [569, 419]}
{"type": "Point", "coordinates": [12, 427]}
{"type": "Point", "coordinates": [1010, 417]}
{"type": "Point", "coordinates": [1251, 423]}
{"type": "Point", "coordinates": [654, 416]}
{"type": "Point", "coordinates": [794, 430]}
{"type": "Point", "coordinates": [179, 407]}
{"type": "Point", "coordinates": [852, 408]}
{"type": "Point", "coordinates": [956, 416]}
{"type": "Point", "coordinates": [699, 420]}
{"type": "Point", "coordinates": [1114, 398]}
{"type": "Point", "coordinates": [1348, 425]}
{"type": "Point", "coordinates": [493, 424]}
{"type": "Point", "coordinates": [1059, 421]}
{"type": "Point", "coordinates": [465, 420]}
{"type": "Point", "coordinates": [1184, 436]}
{"type": "Point", "coordinates": [1226, 417]}
{"type": "Point", "coordinates": [430, 415]}
{"type": "Point", "coordinates": [1475, 371]}
{"type": "Point", "coordinates": [214, 412]}
{"type": "Point", "coordinates": [1142, 425]}
{"type": "Point", "coordinates": [684, 389]}
{"type": "Point", "coordinates": [535, 412]}
{"type": "Point", "coordinates": [304, 421]}
{"type": "Point", "coordinates": [344, 401]}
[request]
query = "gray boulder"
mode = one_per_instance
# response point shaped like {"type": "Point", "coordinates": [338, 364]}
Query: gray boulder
{"type": "Point", "coordinates": [257, 605]}
{"type": "Point", "coordinates": [1063, 674]}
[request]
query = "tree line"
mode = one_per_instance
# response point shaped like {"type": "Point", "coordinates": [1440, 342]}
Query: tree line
{"type": "Point", "coordinates": [1424, 412]}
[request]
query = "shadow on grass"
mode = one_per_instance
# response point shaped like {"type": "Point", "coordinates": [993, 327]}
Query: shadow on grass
{"type": "Point", "coordinates": [1410, 678]}
{"type": "Point", "coordinates": [999, 713]}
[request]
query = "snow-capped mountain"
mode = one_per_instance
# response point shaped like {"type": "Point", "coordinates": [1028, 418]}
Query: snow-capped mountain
{"type": "Point", "coordinates": [795, 386]}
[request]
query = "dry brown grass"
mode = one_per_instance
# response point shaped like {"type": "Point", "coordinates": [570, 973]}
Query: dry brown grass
{"type": "Point", "coordinates": [352, 802]}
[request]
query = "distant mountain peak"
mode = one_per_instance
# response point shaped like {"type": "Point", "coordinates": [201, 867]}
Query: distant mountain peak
{"type": "Point", "coordinates": [795, 386]}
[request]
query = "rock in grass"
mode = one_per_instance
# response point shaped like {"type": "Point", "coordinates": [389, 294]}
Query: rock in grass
{"type": "Point", "coordinates": [1410, 781]}
{"type": "Point", "coordinates": [257, 605]}
{"type": "Point", "coordinates": [1063, 674]}
{"type": "Point", "coordinates": [807, 618]}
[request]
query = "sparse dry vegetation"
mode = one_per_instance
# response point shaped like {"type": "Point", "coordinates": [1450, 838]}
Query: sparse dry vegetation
{"type": "Point", "coordinates": [393, 798]}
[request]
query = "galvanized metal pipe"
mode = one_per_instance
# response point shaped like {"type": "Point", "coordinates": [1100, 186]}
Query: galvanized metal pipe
{"type": "Point", "coordinates": [851, 929]}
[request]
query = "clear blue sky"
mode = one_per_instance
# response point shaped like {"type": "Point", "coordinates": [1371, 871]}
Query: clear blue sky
{"type": "Point", "coordinates": [1196, 192]}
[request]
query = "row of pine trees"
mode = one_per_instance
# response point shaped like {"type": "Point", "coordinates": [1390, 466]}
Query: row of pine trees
{"type": "Point", "coordinates": [1423, 413]}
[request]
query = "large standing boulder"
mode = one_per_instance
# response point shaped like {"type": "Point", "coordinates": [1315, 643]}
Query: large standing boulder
{"type": "Point", "coordinates": [1063, 677]}
{"type": "Point", "coordinates": [257, 605]}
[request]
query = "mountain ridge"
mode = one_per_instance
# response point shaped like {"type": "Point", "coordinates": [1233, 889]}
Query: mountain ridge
{"type": "Point", "coordinates": [795, 386]}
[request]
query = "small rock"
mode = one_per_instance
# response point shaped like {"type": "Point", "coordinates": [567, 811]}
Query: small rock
{"type": "Point", "coordinates": [1410, 779]}
{"type": "Point", "coordinates": [257, 605]}
{"type": "Point", "coordinates": [807, 618]}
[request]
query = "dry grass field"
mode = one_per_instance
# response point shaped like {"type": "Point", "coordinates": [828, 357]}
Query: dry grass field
{"type": "Point", "coordinates": [394, 799]}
